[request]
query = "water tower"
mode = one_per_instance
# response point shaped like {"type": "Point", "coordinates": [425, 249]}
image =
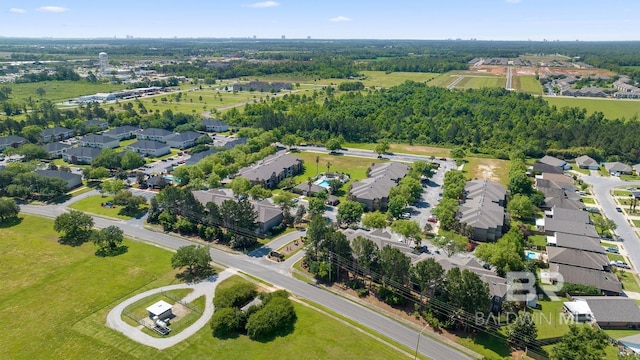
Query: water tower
{"type": "Point", "coordinates": [103, 62]}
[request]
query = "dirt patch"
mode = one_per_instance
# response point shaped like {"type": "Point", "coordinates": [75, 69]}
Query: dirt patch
{"type": "Point", "coordinates": [291, 247]}
{"type": "Point", "coordinates": [420, 150]}
{"type": "Point", "coordinates": [486, 172]}
{"type": "Point", "coordinates": [180, 311]}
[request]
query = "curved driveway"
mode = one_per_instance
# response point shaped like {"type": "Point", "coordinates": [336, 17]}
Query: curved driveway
{"type": "Point", "coordinates": [205, 287]}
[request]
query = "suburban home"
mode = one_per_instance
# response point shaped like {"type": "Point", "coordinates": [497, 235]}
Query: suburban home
{"type": "Point", "coordinates": [586, 162]}
{"type": "Point", "coordinates": [149, 148]}
{"type": "Point", "coordinates": [80, 155]}
{"type": "Point", "coordinates": [562, 202]}
{"type": "Point", "coordinates": [99, 141]}
{"type": "Point", "coordinates": [497, 285]}
{"type": "Point", "coordinates": [636, 168]}
{"type": "Point", "coordinates": [579, 258]}
{"type": "Point", "coordinates": [123, 132]}
{"type": "Point", "coordinates": [308, 190]}
{"type": "Point", "coordinates": [617, 168]}
{"type": "Point", "coordinates": [11, 141]}
{"type": "Point", "coordinates": [558, 213]}
{"type": "Point", "coordinates": [97, 123]}
{"type": "Point", "coordinates": [555, 162]}
{"type": "Point", "coordinates": [563, 181]}
{"type": "Point", "coordinates": [56, 134]}
{"type": "Point", "coordinates": [483, 209]}
{"type": "Point", "coordinates": [270, 171]}
{"type": "Point", "coordinates": [380, 237]}
{"type": "Point", "coordinates": [157, 182]}
{"type": "Point", "coordinates": [373, 192]}
{"type": "Point", "coordinates": [183, 140]}
{"type": "Point", "coordinates": [269, 215]}
{"type": "Point", "coordinates": [55, 149]}
{"type": "Point", "coordinates": [544, 168]}
{"type": "Point", "coordinates": [551, 226]}
{"type": "Point", "coordinates": [606, 282]}
{"type": "Point", "coordinates": [155, 134]}
{"type": "Point", "coordinates": [606, 311]}
{"type": "Point", "coordinates": [211, 125]}
{"type": "Point", "coordinates": [195, 158]}
{"type": "Point", "coordinates": [572, 241]}
{"type": "Point", "coordinates": [73, 180]}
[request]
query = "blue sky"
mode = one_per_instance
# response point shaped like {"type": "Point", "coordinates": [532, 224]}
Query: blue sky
{"type": "Point", "coordinates": [329, 19]}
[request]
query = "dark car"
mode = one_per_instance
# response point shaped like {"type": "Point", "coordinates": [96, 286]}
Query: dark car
{"type": "Point", "coordinates": [618, 209]}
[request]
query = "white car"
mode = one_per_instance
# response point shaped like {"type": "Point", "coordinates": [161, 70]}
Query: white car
{"type": "Point", "coordinates": [620, 264]}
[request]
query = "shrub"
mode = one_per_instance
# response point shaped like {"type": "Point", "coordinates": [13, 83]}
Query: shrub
{"type": "Point", "coordinates": [227, 321]}
{"type": "Point", "coordinates": [390, 297]}
{"type": "Point", "coordinates": [234, 296]}
{"type": "Point", "coordinates": [362, 292]}
{"type": "Point", "coordinates": [275, 317]}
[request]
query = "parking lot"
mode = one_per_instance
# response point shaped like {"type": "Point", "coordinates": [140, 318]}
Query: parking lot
{"type": "Point", "coordinates": [421, 211]}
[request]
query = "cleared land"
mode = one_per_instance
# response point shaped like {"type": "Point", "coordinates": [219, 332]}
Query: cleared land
{"type": "Point", "coordinates": [484, 168]}
{"type": "Point", "coordinates": [527, 84]}
{"type": "Point", "coordinates": [477, 82]}
{"type": "Point", "coordinates": [55, 300]}
{"type": "Point", "coordinates": [611, 108]}
{"type": "Point", "coordinates": [405, 149]}
{"type": "Point", "coordinates": [58, 91]}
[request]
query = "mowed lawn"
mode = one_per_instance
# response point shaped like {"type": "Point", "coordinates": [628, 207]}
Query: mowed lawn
{"type": "Point", "coordinates": [611, 108]}
{"type": "Point", "coordinates": [355, 167]}
{"type": "Point", "coordinates": [92, 204]}
{"type": "Point", "coordinates": [527, 84]}
{"type": "Point", "coordinates": [55, 300]}
{"type": "Point", "coordinates": [384, 79]}
{"type": "Point", "coordinates": [477, 82]}
{"type": "Point", "coordinates": [404, 149]}
{"type": "Point", "coordinates": [58, 91]}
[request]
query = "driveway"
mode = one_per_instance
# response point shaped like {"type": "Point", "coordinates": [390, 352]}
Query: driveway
{"type": "Point", "coordinates": [205, 287]}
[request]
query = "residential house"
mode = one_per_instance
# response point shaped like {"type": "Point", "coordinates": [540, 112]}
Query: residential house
{"type": "Point", "coordinates": [123, 132]}
{"type": "Point", "coordinates": [380, 237]}
{"type": "Point", "coordinates": [211, 125]}
{"type": "Point", "coordinates": [11, 141]}
{"type": "Point", "coordinates": [73, 180]}
{"type": "Point", "coordinates": [149, 148]}
{"type": "Point", "coordinates": [606, 282]}
{"type": "Point", "coordinates": [617, 168]}
{"type": "Point", "coordinates": [483, 209]}
{"type": "Point", "coordinates": [539, 167]}
{"type": "Point", "coordinates": [268, 215]}
{"type": "Point", "coordinates": [183, 140]}
{"type": "Point", "coordinates": [572, 241]}
{"type": "Point", "coordinates": [578, 216]}
{"type": "Point", "coordinates": [586, 162]}
{"type": "Point", "coordinates": [551, 226]}
{"type": "Point", "coordinates": [562, 181]}
{"type": "Point", "coordinates": [606, 311]}
{"type": "Point", "coordinates": [308, 190]}
{"type": "Point", "coordinates": [636, 168]}
{"type": "Point", "coordinates": [99, 141]}
{"type": "Point", "coordinates": [56, 134]}
{"type": "Point", "coordinates": [497, 285]}
{"type": "Point", "coordinates": [55, 149]}
{"type": "Point", "coordinates": [373, 192]}
{"type": "Point", "coordinates": [555, 162]}
{"type": "Point", "coordinates": [155, 134]}
{"type": "Point", "coordinates": [81, 155]}
{"type": "Point", "coordinates": [97, 123]}
{"type": "Point", "coordinates": [195, 158]}
{"type": "Point", "coordinates": [579, 258]}
{"type": "Point", "coordinates": [157, 182]}
{"type": "Point", "coordinates": [270, 171]}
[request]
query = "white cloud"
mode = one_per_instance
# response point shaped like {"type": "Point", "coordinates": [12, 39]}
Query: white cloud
{"type": "Point", "coordinates": [340, 19]}
{"type": "Point", "coordinates": [53, 9]}
{"type": "Point", "coordinates": [17, 11]}
{"type": "Point", "coordinates": [513, 1]}
{"type": "Point", "coordinates": [264, 4]}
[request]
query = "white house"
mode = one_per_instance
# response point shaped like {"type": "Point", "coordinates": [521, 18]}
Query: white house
{"type": "Point", "coordinates": [80, 155]}
{"type": "Point", "coordinates": [149, 148]}
{"type": "Point", "coordinates": [214, 125]}
{"type": "Point", "coordinates": [155, 134]}
{"type": "Point", "coordinates": [184, 140]}
{"type": "Point", "coordinates": [99, 141]}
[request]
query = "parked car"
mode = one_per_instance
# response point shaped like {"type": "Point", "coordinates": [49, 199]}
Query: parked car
{"type": "Point", "coordinates": [405, 215]}
{"type": "Point", "coordinates": [620, 264]}
{"type": "Point", "coordinates": [618, 209]}
{"type": "Point", "coordinates": [593, 210]}
{"type": "Point", "coordinates": [612, 250]}
{"type": "Point", "coordinates": [432, 219]}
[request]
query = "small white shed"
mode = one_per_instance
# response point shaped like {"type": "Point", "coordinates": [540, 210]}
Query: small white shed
{"type": "Point", "coordinates": [161, 309]}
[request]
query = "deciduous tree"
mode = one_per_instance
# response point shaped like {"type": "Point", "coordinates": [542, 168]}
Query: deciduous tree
{"type": "Point", "coordinates": [349, 212]}
{"type": "Point", "coordinates": [75, 225]}
{"type": "Point", "coordinates": [375, 220]}
{"type": "Point", "coordinates": [196, 260]}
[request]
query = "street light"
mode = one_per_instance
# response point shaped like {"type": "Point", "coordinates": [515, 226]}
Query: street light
{"type": "Point", "coordinates": [415, 357]}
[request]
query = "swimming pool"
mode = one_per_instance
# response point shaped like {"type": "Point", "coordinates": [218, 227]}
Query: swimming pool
{"type": "Point", "coordinates": [324, 183]}
{"type": "Point", "coordinates": [532, 255]}
{"type": "Point", "coordinates": [171, 178]}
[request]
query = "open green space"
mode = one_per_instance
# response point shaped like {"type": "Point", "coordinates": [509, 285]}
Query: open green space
{"type": "Point", "coordinates": [629, 280]}
{"type": "Point", "coordinates": [425, 150]}
{"type": "Point", "coordinates": [588, 200]}
{"type": "Point", "coordinates": [614, 257]}
{"type": "Point", "coordinates": [93, 204]}
{"type": "Point", "coordinates": [611, 108]}
{"type": "Point", "coordinates": [56, 299]}
{"type": "Point", "coordinates": [486, 168]}
{"type": "Point", "coordinates": [582, 171]}
{"type": "Point", "coordinates": [445, 79]}
{"type": "Point", "coordinates": [629, 177]}
{"type": "Point", "coordinates": [58, 91]}
{"type": "Point", "coordinates": [538, 240]}
{"type": "Point", "coordinates": [528, 84]}
{"type": "Point", "coordinates": [620, 333]}
{"type": "Point", "coordinates": [621, 193]}
{"type": "Point", "coordinates": [383, 78]}
{"type": "Point", "coordinates": [548, 319]}
{"type": "Point", "coordinates": [477, 82]}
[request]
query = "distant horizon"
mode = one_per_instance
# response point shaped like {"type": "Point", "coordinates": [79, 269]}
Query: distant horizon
{"type": "Point", "coordinates": [489, 20]}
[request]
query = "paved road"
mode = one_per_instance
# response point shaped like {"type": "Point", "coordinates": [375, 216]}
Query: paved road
{"type": "Point", "coordinates": [206, 288]}
{"type": "Point", "coordinates": [509, 77]}
{"type": "Point", "coordinates": [260, 269]}
{"type": "Point", "coordinates": [601, 190]}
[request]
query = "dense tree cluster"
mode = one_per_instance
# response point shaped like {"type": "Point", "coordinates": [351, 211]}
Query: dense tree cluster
{"type": "Point", "coordinates": [19, 181]}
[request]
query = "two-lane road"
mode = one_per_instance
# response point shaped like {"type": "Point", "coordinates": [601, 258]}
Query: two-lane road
{"type": "Point", "coordinates": [255, 267]}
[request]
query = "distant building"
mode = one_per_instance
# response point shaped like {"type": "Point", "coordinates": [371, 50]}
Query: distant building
{"type": "Point", "coordinates": [99, 141]}
{"type": "Point", "coordinates": [586, 162]}
{"type": "Point", "coordinates": [123, 132]}
{"type": "Point", "coordinates": [73, 180]}
{"type": "Point", "coordinates": [56, 134]}
{"type": "Point", "coordinates": [97, 123]}
{"type": "Point", "coordinates": [270, 171]}
{"type": "Point", "coordinates": [214, 125]}
{"type": "Point", "coordinates": [195, 158]}
{"type": "Point", "coordinates": [155, 134]}
{"type": "Point", "coordinates": [149, 148]}
{"type": "Point", "coordinates": [81, 155]}
{"type": "Point", "coordinates": [11, 141]}
{"type": "Point", "coordinates": [55, 149]}
{"type": "Point", "coordinates": [183, 140]}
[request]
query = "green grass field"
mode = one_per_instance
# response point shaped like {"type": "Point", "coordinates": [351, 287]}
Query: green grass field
{"type": "Point", "coordinates": [55, 300]}
{"type": "Point", "coordinates": [528, 84]}
{"type": "Point", "coordinates": [477, 82]}
{"type": "Point", "coordinates": [58, 91]}
{"type": "Point", "coordinates": [612, 109]}
{"type": "Point", "coordinates": [445, 79]}
{"type": "Point", "coordinates": [589, 201]}
{"type": "Point", "coordinates": [548, 320]}
{"type": "Point", "coordinates": [92, 204]}
{"type": "Point", "coordinates": [629, 280]}
{"type": "Point", "coordinates": [485, 168]}
{"type": "Point", "coordinates": [405, 149]}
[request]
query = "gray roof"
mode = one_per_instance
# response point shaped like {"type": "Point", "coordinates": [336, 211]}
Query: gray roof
{"type": "Point", "coordinates": [563, 202]}
{"type": "Point", "coordinates": [390, 170]}
{"type": "Point", "coordinates": [11, 139]}
{"type": "Point", "coordinates": [489, 190]}
{"type": "Point", "coordinates": [303, 186]}
{"type": "Point", "coordinates": [155, 132]}
{"type": "Point", "coordinates": [98, 139]}
{"type": "Point", "coordinates": [577, 275]}
{"type": "Point", "coordinates": [147, 144]}
{"type": "Point", "coordinates": [497, 285]}
{"type": "Point", "coordinates": [382, 177]}
{"type": "Point", "coordinates": [572, 241]}
{"type": "Point", "coordinates": [54, 131]}
{"type": "Point", "coordinates": [585, 161]}
{"type": "Point", "coordinates": [553, 161]}
{"type": "Point", "coordinates": [481, 208]}
{"type": "Point", "coordinates": [84, 152]}
{"type": "Point", "coordinates": [636, 168]}
{"type": "Point", "coordinates": [199, 156]}
{"type": "Point", "coordinates": [579, 216]}
{"type": "Point", "coordinates": [125, 129]}
{"type": "Point", "coordinates": [613, 309]}
{"type": "Point", "coordinates": [617, 167]}
{"type": "Point", "coordinates": [185, 136]}
{"type": "Point", "coordinates": [64, 175]}
{"type": "Point", "coordinates": [56, 146]}
{"type": "Point", "coordinates": [579, 258]}
{"type": "Point", "coordinates": [208, 122]}
{"type": "Point", "coordinates": [569, 227]}
{"type": "Point", "coordinates": [269, 166]}
{"type": "Point", "coordinates": [95, 122]}
{"type": "Point", "coordinates": [547, 168]}
{"type": "Point", "coordinates": [265, 210]}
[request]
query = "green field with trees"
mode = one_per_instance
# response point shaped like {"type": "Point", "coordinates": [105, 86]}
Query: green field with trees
{"type": "Point", "coordinates": [612, 109]}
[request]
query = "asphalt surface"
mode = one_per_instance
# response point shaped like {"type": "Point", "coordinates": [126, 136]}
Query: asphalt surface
{"type": "Point", "coordinates": [602, 187]}
{"type": "Point", "coordinates": [260, 268]}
